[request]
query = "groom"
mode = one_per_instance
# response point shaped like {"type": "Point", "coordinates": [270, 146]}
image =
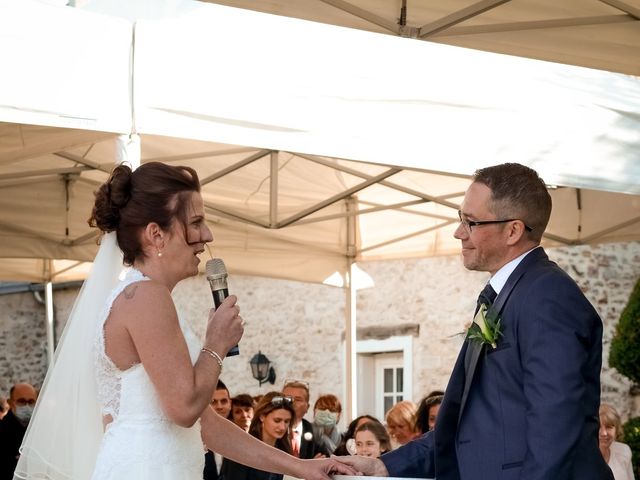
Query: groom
{"type": "Point", "coordinates": [526, 407]}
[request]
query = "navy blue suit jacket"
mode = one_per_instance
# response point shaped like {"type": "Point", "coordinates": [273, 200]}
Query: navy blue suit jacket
{"type": "Point", "coordinates": [531, 412]}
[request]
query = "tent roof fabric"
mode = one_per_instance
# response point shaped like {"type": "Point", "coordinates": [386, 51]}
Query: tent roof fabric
{"type": "Point", "coordinates": [602, 34]}
{"type": "Point", "coordinates": [322, 212]}
{"type": "Point", "coordinates": [313, 147]}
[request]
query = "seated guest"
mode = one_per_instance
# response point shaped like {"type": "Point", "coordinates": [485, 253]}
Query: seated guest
{"type": "Point", "coordinates": [326, 415]}
{"type": "Point", "coordinates": [22, 399]}
{"type": "Point", "coordinates": [616, 454]}
{"type": "Point", "coordinates": [242, 407]}
{"type": "Point", "coordinates": [347, 444]}
{"type": "Point", "coordinates": [401, 422]}
{"type": "Point", "coordinates": [372, 440]}
{"type": "Point", "coordinates": [271, 424]}
{"type": "Point", "coordinates": [427, 412]}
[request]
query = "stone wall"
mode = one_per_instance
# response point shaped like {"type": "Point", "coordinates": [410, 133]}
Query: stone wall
{"type": "Point", "coordinates": [299, 326]}
{"type": "Point", "coordinates": [438, 294]}
{"type": "Point", "coordinates": [23, 335]}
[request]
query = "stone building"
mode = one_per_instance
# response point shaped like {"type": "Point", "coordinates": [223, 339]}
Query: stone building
{"type": "Point", "coordinates": [408, 325]}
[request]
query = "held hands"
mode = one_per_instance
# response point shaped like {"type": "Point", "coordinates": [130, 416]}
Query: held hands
{"type": "Point", "coordinates": [369, 466]}
{"type": "Point", "coordinates": [225, 326]}
{"type": "Point", "coordinates": [321, 468]}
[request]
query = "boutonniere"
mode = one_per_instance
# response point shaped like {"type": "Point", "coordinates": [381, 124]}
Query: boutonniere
{"type": "Point", "coordinates": [484, 329]}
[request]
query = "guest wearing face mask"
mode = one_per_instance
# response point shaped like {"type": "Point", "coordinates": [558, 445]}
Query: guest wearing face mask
{"type": "Point", "coordinates": [326, 415]}
{"type": "Point", "coordinates": [22, 399]}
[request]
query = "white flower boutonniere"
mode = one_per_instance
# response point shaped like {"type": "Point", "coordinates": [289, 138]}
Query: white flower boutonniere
{"type": "Point", "coordinates": [484, 329]}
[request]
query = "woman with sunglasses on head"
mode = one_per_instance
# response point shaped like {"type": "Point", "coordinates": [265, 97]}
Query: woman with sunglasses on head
{"type": "Point", "coordinates": [271, 423]}
{"type": "Point", "coordinates": [136, 377]}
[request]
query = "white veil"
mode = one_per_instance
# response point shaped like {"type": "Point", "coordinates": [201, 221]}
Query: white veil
{"type": "Point", "coordinates": [62, 439]}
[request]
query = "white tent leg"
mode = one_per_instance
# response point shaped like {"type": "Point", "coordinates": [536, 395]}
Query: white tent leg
{"type": "Point", "coordinates": [350, 340]}
{"type": "Point", "coordinates": [350, 307]}
{"type": "Point", "coordinates": [48, 299]}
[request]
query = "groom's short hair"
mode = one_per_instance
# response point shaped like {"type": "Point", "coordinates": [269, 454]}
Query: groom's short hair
{"type": "Point", "coordinates": [518, 192]}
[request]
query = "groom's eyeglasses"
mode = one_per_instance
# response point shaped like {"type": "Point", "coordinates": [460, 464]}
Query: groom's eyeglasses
{"type": "Point", "coordinates": [469, 224]}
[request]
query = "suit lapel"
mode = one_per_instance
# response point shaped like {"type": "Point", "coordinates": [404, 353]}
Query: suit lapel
{"type": "Point", "coordinates": [474, 349]}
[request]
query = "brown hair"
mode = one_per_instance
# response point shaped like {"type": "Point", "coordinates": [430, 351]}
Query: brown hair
{"type": "Point", "coordinates": [422, 415]}
{"type": "Point", "coordinates": [328, 402]}
{"type": "Point", "coordinates": [129, 200]}
{"type": "Point", "coordinates": [379, 432]}
{"type": "Point", "coordinates": [518, 192]}
{"type": "Point", "coordinates": [243, 400]}
{"type": "Point", "coordinates": [267, 405]}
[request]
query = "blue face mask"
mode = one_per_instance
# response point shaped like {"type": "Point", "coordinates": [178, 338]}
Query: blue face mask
{"type": "Point", "coordinates": [23, 413]}
{"type": "Point", "coordinates": [325, 418]}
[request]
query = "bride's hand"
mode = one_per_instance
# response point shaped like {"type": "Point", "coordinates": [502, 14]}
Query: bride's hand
{"type": "Point", "coordinates": [324, 469]}
{"type": "Point", "coordinates": [225, 326]}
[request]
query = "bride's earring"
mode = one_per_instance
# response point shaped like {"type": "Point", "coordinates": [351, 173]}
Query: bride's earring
{"type": "Point", "coordinates": [159, 253]}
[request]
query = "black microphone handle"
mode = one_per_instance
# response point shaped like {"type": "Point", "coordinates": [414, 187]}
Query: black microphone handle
{"type": "Point", "coordinates": [218, 298]}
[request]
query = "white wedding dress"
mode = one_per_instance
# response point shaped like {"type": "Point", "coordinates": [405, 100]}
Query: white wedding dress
{"type": "Point", "coordinates": [141, 443]}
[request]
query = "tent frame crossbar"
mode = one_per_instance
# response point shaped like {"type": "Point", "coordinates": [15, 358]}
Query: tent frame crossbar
{"type": "Point", "coordinates": [340, 196]}
{"type": "Point", "coordinates": [532, 25]}
{"type": "Point", "coordinates": [459, 16]}
{"type": "Point", "coordinates": [400, 188]}
{"type": "Point", "coordinates": [445, 26]}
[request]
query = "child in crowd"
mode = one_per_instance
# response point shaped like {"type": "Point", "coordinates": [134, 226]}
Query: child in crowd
{"type": "Point", "coordinates": [372, 440]}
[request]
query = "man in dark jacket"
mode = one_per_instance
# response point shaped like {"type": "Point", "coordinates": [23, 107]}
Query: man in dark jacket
{"type": "Point", "coordinates": [22, 399]}
{"type": "Point", "coordinates": [522, 401]}
{"type": "Point", "coordinates": [302, 442]}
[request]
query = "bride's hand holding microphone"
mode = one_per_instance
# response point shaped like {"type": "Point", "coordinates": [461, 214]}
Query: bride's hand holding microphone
{"type": "Point", "coordinates": [225, 326]}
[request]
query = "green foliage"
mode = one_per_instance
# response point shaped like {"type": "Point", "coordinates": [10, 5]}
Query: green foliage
{"type": "Point", "coordinates": [631, 431]}
{"type": "Point", "coordinates": [624, 354]}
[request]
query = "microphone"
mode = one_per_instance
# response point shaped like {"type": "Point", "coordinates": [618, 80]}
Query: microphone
{"type": "Point", "coordinates": [217, 277]}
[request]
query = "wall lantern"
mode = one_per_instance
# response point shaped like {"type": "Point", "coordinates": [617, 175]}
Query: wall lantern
{"type": "Point", "coordinates": [261, 369]}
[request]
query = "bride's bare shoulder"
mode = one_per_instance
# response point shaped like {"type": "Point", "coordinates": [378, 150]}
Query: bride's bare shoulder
{"type": "Point", "coordinates": [143, 297]}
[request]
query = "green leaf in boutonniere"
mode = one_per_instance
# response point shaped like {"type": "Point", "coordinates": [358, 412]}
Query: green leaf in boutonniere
{"type": "Point", "coordinates": [484, 329]}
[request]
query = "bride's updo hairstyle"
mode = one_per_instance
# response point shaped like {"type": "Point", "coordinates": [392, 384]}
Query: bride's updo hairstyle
{"type": "Point", "coordinates": [130, 200]}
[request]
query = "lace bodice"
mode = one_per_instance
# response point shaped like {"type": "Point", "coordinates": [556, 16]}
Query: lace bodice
{"type": "Point", "coordinates": [129, 391]}
{"type": "Point", "coordinates": [141, 443]}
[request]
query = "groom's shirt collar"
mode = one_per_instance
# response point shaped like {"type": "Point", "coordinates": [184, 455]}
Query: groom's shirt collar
{"type": "Point", "coordinates": [502, 275]}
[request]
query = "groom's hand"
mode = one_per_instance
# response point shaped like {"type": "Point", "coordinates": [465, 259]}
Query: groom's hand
{"type": "Point", "coordinates": [365, 465]}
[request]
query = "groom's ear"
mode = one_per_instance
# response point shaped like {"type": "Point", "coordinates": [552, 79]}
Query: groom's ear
{"type": "Point", "coordinates": [515, 232]}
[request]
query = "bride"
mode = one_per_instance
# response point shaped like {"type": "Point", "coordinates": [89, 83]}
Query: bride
{"type": "Point", "coordinates": [151, 377]}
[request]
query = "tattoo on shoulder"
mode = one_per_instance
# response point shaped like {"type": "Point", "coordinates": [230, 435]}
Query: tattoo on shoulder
{"type": "Point", "coordinates": [130, 291]}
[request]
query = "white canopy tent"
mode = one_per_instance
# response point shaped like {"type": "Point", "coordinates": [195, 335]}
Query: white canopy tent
{"type": "Point", "coordinates": [603, 34]}
{"type": "Point", "coordinates": [289, 101]}
{"type": "Point", "coordinates": [313, 148]}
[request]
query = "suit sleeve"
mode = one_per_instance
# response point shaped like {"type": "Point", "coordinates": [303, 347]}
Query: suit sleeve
{"type": "Point", "coordinates": [235, 471]}
{"type": "Point", "coordinates": [559, 336]}
{"type": "Point", "coordinates": [414, 459]}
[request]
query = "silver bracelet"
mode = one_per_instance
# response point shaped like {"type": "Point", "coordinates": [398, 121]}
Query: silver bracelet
{"type": "Point", "coordinates": [213, 355]}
